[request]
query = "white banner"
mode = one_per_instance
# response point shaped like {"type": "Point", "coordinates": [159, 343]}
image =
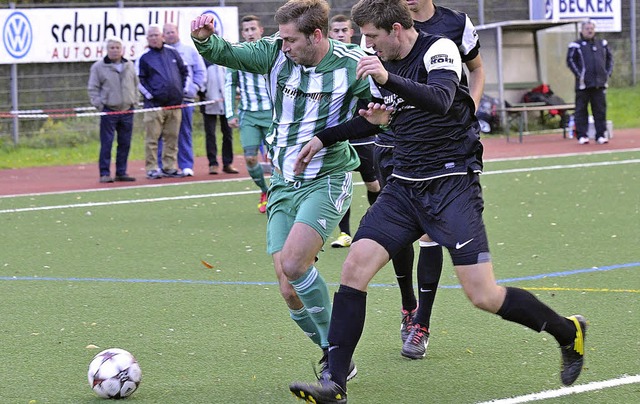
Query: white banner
{"type": "Point", "coordinates": [607, 14]}
{"type": "Point", "coordinates": [78, 35]}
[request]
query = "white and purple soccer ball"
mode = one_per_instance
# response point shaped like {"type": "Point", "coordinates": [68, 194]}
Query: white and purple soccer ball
{"type": "Point", "coordinates": [114, 373]}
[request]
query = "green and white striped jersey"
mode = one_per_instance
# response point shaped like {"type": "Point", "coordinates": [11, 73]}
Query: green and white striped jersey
{"type": "Point", "coordinates": [305, 99]}
{"type": "Point", "coordinates": [251, 87]}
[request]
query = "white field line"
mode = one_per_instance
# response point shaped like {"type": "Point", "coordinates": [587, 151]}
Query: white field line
{"type": "Point", "coordinates": [201, 196]}
{"type": "Point", "coordinates": [565, 391]}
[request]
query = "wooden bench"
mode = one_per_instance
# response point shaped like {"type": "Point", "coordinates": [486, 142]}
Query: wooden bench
{"type": "Point", "coordinates": [525, 108]}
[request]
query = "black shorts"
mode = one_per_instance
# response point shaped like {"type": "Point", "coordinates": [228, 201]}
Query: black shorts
{"type": "Point", "coordinates": [384, 163]}
{"type": "Point", "coordinates": [367, 167]}
{"type": "Point", "coordinates": [448, 209]}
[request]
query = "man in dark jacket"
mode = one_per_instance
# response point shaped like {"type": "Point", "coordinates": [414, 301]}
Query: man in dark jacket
{"type": "Point", "coordinates": [163, 76]}
{"type": "Point", "coordinates": [591, 62]}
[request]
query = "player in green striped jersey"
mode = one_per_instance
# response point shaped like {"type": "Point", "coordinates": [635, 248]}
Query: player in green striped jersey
{"type": "Point", "coordinates": [312, 83]}
{"type": "Point", "coordinates": [253, 113]}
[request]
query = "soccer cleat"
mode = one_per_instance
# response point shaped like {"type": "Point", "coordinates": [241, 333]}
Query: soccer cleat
{"type": "Point", "coordinates": [406, 323]}
{"type": "Point", "coordinates": [415, 347]}
{"type": "Point", "coordinates": [583, 140]}
{"type": "Point", "coordinates": [573, 354]}
{"type": "Point", "coordinates": [324, 367]}
{"type": "Point", "coordinates": [324, 391]}
{"type": "Point", "coordinates": [602, 140]}
{"type": "Point", "coordinates": [262, 205]}
{"type": "Point", "coordinates": [343, 240]}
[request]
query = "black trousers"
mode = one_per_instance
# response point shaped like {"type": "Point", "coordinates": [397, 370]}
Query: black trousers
{"type": "Point", "coordinates": [210, 139]}
{"type": "Point", "coordinates": [597, 97]}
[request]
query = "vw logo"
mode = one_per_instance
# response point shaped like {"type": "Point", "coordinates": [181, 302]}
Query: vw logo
{"type": "Point", "coordinates": [217, 22]}
{"type": "Point", "coordinates": [17, 35]}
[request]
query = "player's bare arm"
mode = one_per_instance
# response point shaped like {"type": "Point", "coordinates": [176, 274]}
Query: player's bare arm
{"type": "Point", "coordinates": [376, 114]}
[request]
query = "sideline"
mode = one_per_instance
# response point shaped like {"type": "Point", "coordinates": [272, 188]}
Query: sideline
{"type": "Point", "coordinates": [200, 196]}
{"type": "Point", "coordinates": [565, 391]}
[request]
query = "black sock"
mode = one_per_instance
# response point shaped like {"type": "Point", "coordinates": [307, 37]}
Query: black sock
{"type": "Point", "coordinates": [429, 271]}
{"type": "Point", "coordinates": [524, 308]}
{"type": "Point", "coordinates": [347, 323]}
{"type": "Point", "coordinates": [372, 196]}
{"type": "Point", "coordinates": [344, 222]}
{"type": "Point", "coordinates": [403, 266]}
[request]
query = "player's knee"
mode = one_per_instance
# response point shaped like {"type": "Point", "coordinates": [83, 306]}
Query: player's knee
{"type": "Point", "coordinates": [251, 161]}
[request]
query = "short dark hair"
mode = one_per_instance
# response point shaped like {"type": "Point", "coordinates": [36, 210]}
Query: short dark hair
{"type": "Point", "coordinates": [339, 18]}
{"type": "Point", "coordinates": [249, 18]}
{"type": "Point", "coordinates": [382, 14]}
{"type": "Point", "coordinates": [307, 15]}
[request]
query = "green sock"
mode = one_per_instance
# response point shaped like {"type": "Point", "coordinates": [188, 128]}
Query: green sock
{"type": "Point", "coordinates": [314, 294]}
{"type": "Point", "coordinates": [257, 174]}
{"type": "Point", "coordinates": [302, 319]}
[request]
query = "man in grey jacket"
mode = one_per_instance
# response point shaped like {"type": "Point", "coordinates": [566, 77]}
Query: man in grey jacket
{"type": "Point", "coordinates": [113, 89]}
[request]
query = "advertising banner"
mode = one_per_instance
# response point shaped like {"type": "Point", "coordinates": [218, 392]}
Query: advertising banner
{"type": "Point", "coordinates": [605, 13]}
{"type": "Point", "coordinates": [78, 35]}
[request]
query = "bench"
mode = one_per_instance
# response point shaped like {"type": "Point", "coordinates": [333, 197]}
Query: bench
{"type": "Point", "coordinates": [524, 108]}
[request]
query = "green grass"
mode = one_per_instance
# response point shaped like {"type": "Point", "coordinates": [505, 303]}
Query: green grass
{"type": "Point", "coordinates": [76, 140]}
{"type": "Point", "coordinates": [79, 269]}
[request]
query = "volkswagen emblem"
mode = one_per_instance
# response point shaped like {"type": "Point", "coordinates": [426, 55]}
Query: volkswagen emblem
{"type": "Point", "coordinates": [17, 35]}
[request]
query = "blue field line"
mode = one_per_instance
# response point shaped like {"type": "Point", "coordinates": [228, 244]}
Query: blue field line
{"type": "Point", "coordinates": [243, 283]}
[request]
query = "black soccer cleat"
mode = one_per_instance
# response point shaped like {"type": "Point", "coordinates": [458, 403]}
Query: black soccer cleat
{"type": "Point", "coordinates": [324, 391]}
{"type": "Point", "coordinates": [573, 354]}
{"type": "Point", "coordinates": [324, 367]}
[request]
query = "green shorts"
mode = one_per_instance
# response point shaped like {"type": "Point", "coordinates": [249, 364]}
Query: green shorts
{"type": "Point", "coordinates": [254, 127]}
{"type": "Point", "coordinates": [319, 203]}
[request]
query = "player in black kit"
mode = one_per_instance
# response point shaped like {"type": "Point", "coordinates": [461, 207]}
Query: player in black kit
{"type": "Point", "coordinates": [434, 189]}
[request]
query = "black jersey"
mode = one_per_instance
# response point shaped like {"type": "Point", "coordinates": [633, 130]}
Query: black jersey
{"type": "Point", "coordinates": [456, 26]}
{"type": "Point", "coordinates": [434, 125]}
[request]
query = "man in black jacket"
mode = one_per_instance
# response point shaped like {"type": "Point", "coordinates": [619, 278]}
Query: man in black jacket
{"type": "Point", "coordinates": [591, 62]}
{"type": "Point", "coordinates": [163, 76]}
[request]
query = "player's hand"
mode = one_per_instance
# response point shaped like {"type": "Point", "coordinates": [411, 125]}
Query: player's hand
{"type": "Point", "coordinates": [202, 27]}
{"type": "Point", "coordinates": [306, 154]}
{"type": "Point", "coordinates": [376, 114]}
{"type": "Point", "coordinates": [233, 123]}
{"type": "Point", "coordinates": [372, 66]}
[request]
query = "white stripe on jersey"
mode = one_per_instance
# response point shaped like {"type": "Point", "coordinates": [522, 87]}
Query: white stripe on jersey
{"type": "Point", "coordinates": [443, 54]}
{"type": "Point", "coordinates": [469, 37]}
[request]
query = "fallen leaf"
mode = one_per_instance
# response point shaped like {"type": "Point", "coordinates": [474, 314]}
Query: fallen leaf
{"type": "Point", "coordinates": [206, 264]}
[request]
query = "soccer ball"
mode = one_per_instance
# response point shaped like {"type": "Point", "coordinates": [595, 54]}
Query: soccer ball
{"type": "Point", "coordinates": [114, 373]}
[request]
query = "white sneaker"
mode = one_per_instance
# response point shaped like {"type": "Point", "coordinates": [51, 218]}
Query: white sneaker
{"type": "Point", "coordinates": [187, 172]}
{"type": "Point", "coordinates": [583, 140]}
{"type": "Point", "coordinates": [603, 140]}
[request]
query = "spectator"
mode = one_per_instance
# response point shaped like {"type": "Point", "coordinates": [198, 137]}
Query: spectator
{"type": "Point", "coordinates": [591, 62]}
{"type": "Point", "coordinates": [112, 88]}
{"type": "Point", "coordinates": [195, 83]}
{"type": "Point", "coordinates": [210, 114]}
{"type": "Point", "coordinates": [163, 76]}
{"type": "Point", "coordinates": [253, 114]}
{"type": "Point", "coordinates": [341, 30]}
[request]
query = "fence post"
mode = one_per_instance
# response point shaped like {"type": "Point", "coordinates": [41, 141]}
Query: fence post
{"type": "Point", "coordinates": [15, 129]}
